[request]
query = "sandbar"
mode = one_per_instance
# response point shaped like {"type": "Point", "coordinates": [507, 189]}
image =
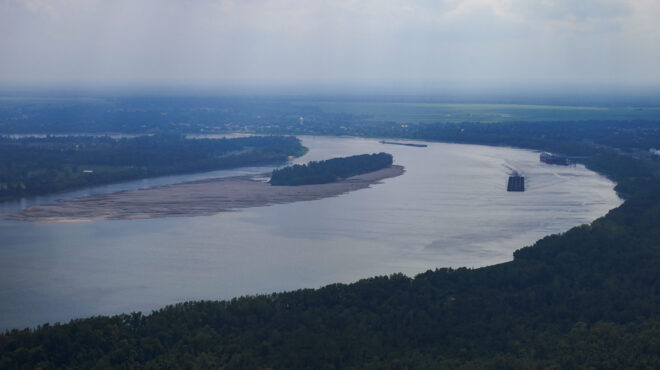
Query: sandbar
{"type": "Point", "coordinates": [199, 198]}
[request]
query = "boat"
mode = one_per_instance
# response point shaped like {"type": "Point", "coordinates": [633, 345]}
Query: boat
{"type": "Point", "coordinates": [405, 144]}
{"type": "Point", "coordinates": [554, 159]}
{"type": "Point", "coordinates": [516, 183]}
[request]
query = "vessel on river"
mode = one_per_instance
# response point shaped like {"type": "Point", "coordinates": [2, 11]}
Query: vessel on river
{"type": "Point", "coordinates": [404, 144]}
{"type": "Point", "coordinates": [554, 159]}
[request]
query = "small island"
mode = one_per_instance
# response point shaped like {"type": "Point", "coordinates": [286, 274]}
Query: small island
{"type": "Point", "coordinates": [331, 170]}
{"type": "Point", "coordinates": [209, 197]}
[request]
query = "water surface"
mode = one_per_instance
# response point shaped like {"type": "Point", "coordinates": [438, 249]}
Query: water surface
{"type": "Point", "coordinates": [450, 208]}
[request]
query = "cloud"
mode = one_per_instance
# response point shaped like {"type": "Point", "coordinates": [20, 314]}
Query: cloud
{"type": "Point", "coordinates": [579, 10]}
{"type": "Point", "coordinates": [342, 41]}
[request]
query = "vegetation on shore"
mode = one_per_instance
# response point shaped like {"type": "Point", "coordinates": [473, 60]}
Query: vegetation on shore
{"type": "Point", "coordinates": [35, 166]}
{"type": "Point", "coordinates": [338, 115]}
{"type": "Point", "coordinates": [586, 298]}
{"type": "Point", "coordinates": [331, 170]}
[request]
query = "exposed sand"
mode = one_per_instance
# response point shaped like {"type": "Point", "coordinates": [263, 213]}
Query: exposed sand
{"type": "Point", "coordinates": [200, 198]}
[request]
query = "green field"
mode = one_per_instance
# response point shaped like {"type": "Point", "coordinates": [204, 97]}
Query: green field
{"type": "Point", "coordinates": [440, 112]}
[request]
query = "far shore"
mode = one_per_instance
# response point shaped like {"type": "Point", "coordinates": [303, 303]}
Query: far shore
{"type": "Point", "coordinates": [199, 198]}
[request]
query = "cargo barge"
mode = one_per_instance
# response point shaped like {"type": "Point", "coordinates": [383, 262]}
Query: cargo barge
{"type": "Point", "coordinates": [554, 159]}
{"type": "Point", "coordinates": [404, 144]}
{"type": "Point", "coordinates": [516, 183]}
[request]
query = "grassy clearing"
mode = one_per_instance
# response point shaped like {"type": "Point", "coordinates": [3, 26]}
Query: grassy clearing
{"type": "Point", "coordinates": [413, 112]}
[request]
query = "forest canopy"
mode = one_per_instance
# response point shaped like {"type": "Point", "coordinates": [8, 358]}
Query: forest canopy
{"type": "Point", "coordinates": [41, 165]}
{"type": "Point", "coordinates": [331, 170]}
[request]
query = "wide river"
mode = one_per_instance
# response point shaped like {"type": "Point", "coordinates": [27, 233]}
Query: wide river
{"type": "Point", "coordinates": [449, 209]}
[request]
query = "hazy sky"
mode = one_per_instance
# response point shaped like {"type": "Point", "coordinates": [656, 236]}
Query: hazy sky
{"type": "Point", "coordinates": [353, 42]}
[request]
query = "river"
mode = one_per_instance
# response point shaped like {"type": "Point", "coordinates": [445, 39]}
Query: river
{"type": "Point", "coordinates": [449, 209]}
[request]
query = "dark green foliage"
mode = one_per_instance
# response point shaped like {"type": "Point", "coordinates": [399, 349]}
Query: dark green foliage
{"type": "Point", "coordinates": [152, 114]}
{"type": "Point", "coordinates": [330, 170]}
{"type": "Point", "coordinates": [35, 166]}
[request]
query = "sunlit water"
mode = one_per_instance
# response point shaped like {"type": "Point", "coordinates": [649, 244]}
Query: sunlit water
{"type": "Point", "coordinates": [450, 208]}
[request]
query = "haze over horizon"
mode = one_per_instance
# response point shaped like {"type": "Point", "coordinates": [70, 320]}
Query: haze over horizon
{"type": "Point", "coordinates": [392, 45]}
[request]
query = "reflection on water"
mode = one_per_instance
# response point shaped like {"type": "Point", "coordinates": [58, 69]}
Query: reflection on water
{"type": "Point", "coordinates": [450, 208]}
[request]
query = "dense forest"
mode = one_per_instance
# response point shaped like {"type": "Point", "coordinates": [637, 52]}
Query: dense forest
{"type": "Point", "coordinates": [331, 170]}
{"type": "Point", "coordinates": [587, 298]}
{"type": "Point", "coordinates": [65, 115]}
{"type": "Point", "coordinates": [35, 166]}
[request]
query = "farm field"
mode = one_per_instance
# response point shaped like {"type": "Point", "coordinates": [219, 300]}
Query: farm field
{"type": "Point", "coordinates": [413, 112]}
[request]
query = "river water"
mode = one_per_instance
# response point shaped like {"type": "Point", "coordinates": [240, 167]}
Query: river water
{"type": "Point", "coordinates": [449, 209]}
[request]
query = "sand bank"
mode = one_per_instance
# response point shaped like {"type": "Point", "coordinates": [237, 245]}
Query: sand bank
{"type": "Point", "coordinates": [200, 198]}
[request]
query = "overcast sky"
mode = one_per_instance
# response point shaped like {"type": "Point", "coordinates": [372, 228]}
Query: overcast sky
{"type": "Point", "coordinates": [342, 42]}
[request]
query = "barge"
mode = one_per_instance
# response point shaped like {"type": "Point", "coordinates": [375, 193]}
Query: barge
{"type": "Point", "coordinates": [404, 144]}
{"type": "Point", "coordinates": [554, 159]}
{"type": "Point", "coordinates": [516, 183]}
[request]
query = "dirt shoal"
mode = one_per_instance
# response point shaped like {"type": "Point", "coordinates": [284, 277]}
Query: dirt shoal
{"type": "Point", "coordinates": [200, 198]}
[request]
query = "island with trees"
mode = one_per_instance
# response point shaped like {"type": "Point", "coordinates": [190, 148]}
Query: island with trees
{"type": "Point", "coordinates": [315, 180]}
{"type": "Point", "coordinates": [32, 166]}
{"type": "Point", "coordinates": [331, 170]}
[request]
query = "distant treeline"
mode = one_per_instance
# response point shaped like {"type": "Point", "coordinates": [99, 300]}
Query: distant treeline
{"type": "Point", "coordinates": [332, 115]}
{"type": "Point", "coordinates": [35, 166]}
{"type": "Point", "coordinates": [330, 170]}
{"type": "Point", "coordinates": [152, 114]}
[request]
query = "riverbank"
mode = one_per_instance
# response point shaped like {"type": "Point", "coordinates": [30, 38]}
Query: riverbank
{"type": "Point", "coordinates": [200, 198]}
{"type": "Point", "coordinates": [37, 166]}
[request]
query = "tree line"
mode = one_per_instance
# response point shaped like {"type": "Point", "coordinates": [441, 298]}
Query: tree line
{"type": "Point", "coordinates": [35, 166]}
{"type": "Point", "coordinates": [331, 170]}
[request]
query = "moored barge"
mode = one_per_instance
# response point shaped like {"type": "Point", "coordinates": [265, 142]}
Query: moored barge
{"type": "Point", "coordinates": [404, 144]}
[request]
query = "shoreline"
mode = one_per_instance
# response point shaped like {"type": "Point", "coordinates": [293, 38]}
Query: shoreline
{"type": "Point", "coordinates": [197, 198]}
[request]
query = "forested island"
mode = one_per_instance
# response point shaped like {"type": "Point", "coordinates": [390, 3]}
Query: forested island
{"type": "Point", "coordinates": [40, 165]}
{"type": "Point", "coordinates": [331, 170]}
{"type": "Point", "coordinates": [197, 198]}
